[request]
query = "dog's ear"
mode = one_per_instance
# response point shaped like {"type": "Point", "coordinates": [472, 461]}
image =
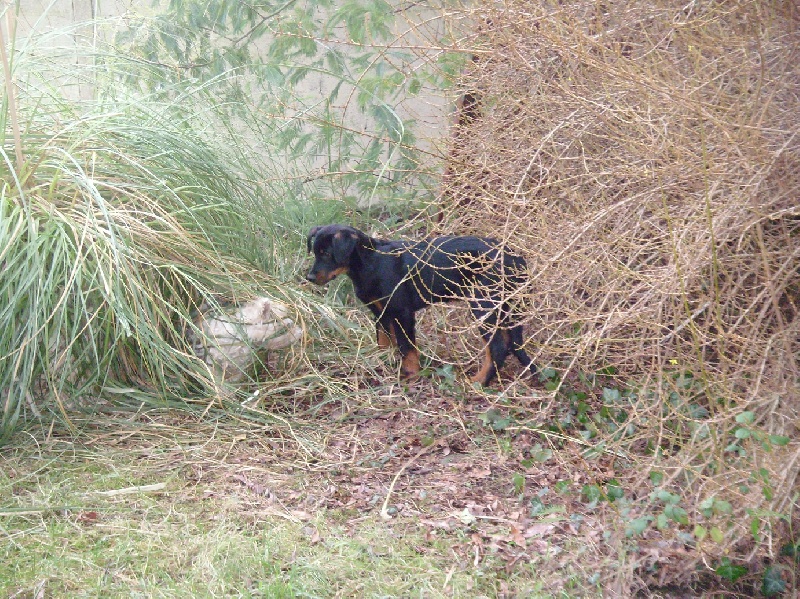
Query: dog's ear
{"type": "Point", "coordinates": [344, 242]}
{"type": "Point", "coordinates": [310, 239]}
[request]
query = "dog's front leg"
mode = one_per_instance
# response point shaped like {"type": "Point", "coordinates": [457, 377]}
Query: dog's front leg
{"type": "Point", "coordinates": [384, 327]}
{"type": "Point", "coordinates": [385, 334]}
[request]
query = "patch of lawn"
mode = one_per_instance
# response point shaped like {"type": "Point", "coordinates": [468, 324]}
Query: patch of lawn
{"type": "Point", "coordinates": [120, 522]}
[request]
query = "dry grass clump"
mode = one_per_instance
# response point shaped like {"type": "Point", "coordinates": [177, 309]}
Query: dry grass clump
{"type": "Point", "coordinates": [645, 158]}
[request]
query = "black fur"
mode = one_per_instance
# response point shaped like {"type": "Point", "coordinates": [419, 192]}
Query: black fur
{"type": "Point", "coordinates": [397, 278]}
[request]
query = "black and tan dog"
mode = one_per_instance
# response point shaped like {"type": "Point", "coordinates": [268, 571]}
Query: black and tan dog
{"type": "Point", "coordinates": [397, 278]}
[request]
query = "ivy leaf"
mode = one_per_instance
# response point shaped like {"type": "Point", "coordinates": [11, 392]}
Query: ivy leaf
{"type": "Point", "coordinates": [773, 583]}
{"type": "Point", "coordinates": [779, 440]}
{"type": "Point", "coordinates": [518, 480]}
{"type": "Point", "coordinates": [730, 571]}
{"type": "Point", "coordinates": [755, 526]}
{"type": "Point", "coordinates": [722, 507]}
{"type": "Point", "coordinates": [678, 514]}
{"type": "Point", "coordinates": [547, 373]}
{"type": "Point", "coordinates": [501, 424]}
{"type": "Point", "coordinates": [613, 490]}
{"type": "Point", "coordinates": [537, 506]}
{"type": "Point", "coordinates": [551, 385]}
{"type": "Point", "coordinates": [667, 497]}
{"type": "Point", "coordinates": [716, 535]}
{"type": "Point", "coordinates": [637, 526]}
{"type": "Point", "coordinates": [562, 486]}
{"type": "Point", "coordinates": [592, 493]}
{"type": "Point", "coordinates": [541, 454]}
{"type": "Point", "coordinates": [493, 418]}
{"type": "Point", "coordinates": [700, 532]}
{"type": "Point", "coordinates": [791, 550]}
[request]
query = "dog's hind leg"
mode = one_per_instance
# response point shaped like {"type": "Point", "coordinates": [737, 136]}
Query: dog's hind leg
{"type": "Point", "coordinates": [403, 324]}
{"type": "Point", "coordinates": [518, 351]}
{"type": "Point", "coordinates": [512, 332]}
{"type": "Point", "coordinates": [497, 345]}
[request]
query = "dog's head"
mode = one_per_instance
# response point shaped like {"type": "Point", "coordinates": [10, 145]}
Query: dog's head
{"type": "Point", "coordinates": [333, 247]}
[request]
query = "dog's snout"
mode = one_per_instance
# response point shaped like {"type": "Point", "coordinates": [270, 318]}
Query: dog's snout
{"type": "Point", "coordinates": [311, 276]}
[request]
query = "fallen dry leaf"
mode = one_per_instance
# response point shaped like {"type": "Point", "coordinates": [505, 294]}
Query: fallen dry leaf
{"type": "Point", "coordinates": [256, 488]}
{"type": "Point", "coordinates": [540, 529]}
{"type": "Point", "coordinates": [517, 536]}
{"type": "Point", "coordinates": [88, 517]}
{"type": "Point", "coordinates": [313, 534]}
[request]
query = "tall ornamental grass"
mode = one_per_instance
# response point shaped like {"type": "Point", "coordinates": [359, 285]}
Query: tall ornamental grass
{"type": "Point", "coordinates": [119, 217]}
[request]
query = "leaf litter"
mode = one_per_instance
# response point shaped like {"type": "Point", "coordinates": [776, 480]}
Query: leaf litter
{"type": "Point", "coordinates": [421, 459]}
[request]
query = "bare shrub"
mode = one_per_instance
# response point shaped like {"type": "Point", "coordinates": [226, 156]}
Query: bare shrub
{"type": "Point", "coordinates": [644, 157]}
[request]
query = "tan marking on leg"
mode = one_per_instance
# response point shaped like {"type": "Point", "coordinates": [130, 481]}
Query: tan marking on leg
{"type": "Point", "coordinates": [383, 339]}
{"type": "Point", "coordinates": [387, 339]}
{"type": "Point", "coordinates": [410, 366]}
{"type": "Point", "coordinates": [480, 376]}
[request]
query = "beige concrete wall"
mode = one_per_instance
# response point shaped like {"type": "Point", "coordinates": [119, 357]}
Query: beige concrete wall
{"type": "Point", "coordinates": [69, 25]}
{"type": "Point", "coordinates": [72, 20]}
{"type": "Point", "coordinates": [55, 13]}
{"type": "Point", "coordinates": [45, 16]}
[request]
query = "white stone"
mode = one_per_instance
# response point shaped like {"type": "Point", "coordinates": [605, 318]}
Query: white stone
{"type": "Point", "coordinates": [228, 341]}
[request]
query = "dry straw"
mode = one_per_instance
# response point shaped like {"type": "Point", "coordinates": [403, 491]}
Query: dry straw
{"type": "Point", "coordinates": [644, 158]}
